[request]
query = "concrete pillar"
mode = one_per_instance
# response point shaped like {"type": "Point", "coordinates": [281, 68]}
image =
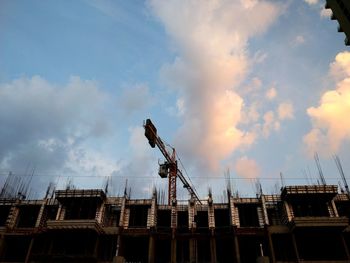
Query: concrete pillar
{"type": "Point", "coordinates": [122, 213]}
{"type": "Point", "coordinates": [118, 258]}
{"type": "Point", "coordinates": [238, 256]}
{"type": "Point", "coordinates": [13, 217]}
{"type": "Point", "coordinates": [58, 212]}
{"type": "Point", "coordinates": [173, 250]}
{"type": "Point", "coordinates": [39, 219]}
{"type": "Point", "coordinates": [29, 251]}
{"type": "Point", "coordinates": [2, 244]}
{"type": "Point", "coordinates": [151, 249]}
{"type": "Point", "coordinates": [95, 255]}
{"type": "Point", "coordinates": [263, 260]}
{"type": "Point", "coordinates": [264, 210]}
{"type": "Point", "coordinates": [99, 213]}
{"type": "Point", "coordinates": [271, 248]}
{"type": "Point", "coordinates": [345, 246]}
{"type": "Point", "coordinates": [51, 246]}
{"type": "Point", "coordinates": [61, 212]}
{"type": "Point", "coordinates": [213, 249]}
{"type": "Point", "coordinates": [193, 250]}
{"type": "Point", "coordinates": [335, 210]}
{"type": "Point", "coordinates": [289, 211]}
{"type": "Point", "coordinates": [295, 247]}
{"type": "Point", "coordinates": [117, 251]}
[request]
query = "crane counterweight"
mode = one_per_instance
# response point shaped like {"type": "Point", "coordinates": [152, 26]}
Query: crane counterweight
{"type": "Point", "coordinates": [150, 133]}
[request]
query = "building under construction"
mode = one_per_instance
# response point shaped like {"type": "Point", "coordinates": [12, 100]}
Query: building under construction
{"type": "Point", "coordinates": [308, 223]}
{"type": "Point", "coordinates": [301, 224]}
{"type": "Point", "coordinates": [341, 13]}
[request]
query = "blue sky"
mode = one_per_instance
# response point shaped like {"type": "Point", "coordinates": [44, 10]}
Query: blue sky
{"type": "Point", "coordinates": [253, 87]}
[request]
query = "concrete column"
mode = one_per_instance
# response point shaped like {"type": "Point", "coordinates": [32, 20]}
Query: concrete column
{"type": "Point", "coordinates": [119, 252]}
{"type": "Point", "coordinates": [264, 210]}
{"type": "Point", "coordinates": [173, 250]}
{"type": "Point", "coordinates": [288, 211]}
{"type": "Point", "coordinates": [13, 217]}
{"type": "Point", "coordinates": [29, 251]}
{"type": "Point", "coordinates": [41, 214]}
{"type": "Point", "coordinates": [238, 256]}
{"type": "Point", "coordinates": [335, 211]}
{"type": "Point", "coordinates": [193, 250]}
{"type": "Point", "coordinates": [61, 212]}
{"type": "Point", "coordinates": [2, 244]}
{"type": "Point", "coordinates": [122, 213]}
{"type": "Point", "coordinates": [263, 260]}
{"type": "Point", "coordinates": [151, 249]}
{"type": "Point", "coordinates": [272, 250]}
{"type": "Point", "coordinates": [95, 255]}
{"type": "Point", "coordinates": [118, 260]}
{"type": "Point", "coordinates": [51, 246]}
{"type": "Point", "coordinates": [295, 247]}
{"type": "Point", "coordinates": [345, 246]}
{"type": "Point", "coordinates": [213, 249]}
{"type": "Point", "coordinates": [99, 213]}
{"type": "Point", "coordinates": [58, 212]}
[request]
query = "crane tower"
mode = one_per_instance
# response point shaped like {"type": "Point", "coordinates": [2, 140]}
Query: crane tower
{"type": "Point", "coordinates": [169, 168]}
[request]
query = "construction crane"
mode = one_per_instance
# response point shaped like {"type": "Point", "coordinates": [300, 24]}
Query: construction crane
{"type": "Point", "coordinates": [169, 168]}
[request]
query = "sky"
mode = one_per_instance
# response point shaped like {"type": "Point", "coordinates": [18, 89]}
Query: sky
{"type": "Point", "coordinates": [247, 88]}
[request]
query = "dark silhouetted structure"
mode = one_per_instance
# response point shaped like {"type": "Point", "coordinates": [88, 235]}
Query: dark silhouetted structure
{"type": "Point", "coordinates": [341, 12]}
{"type": "Point", "coordinates": [308, 223]}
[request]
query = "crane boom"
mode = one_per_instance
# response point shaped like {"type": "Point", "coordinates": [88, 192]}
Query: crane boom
{"type": "Point", "coordinates": [170, 167]}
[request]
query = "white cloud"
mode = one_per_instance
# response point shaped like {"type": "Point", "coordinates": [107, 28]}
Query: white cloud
{"type": "Point", "coordinates": [180, 105]}
{"type": "Point", "coordinates": [211, 39]}
{"type": "Point", "coordinates": [250, 114]}
{"type": "Point", "coordinates": [256, 83]}
{"type": "Point", "coordinates": [85, 161]}
{"type": "Point", "coordinates": [259, 57]}
{"type": "Point", "coordinates": [298, 40]}
{"type": "Point", "coordinates": [138, 144]}
{"type": "Point", "coordinates": [330, 119]}
{"type": "Point", "coordinates": [271, 93]}
{"type": "Point", "coordinates": [325, 13]}
{"type": "Point", "coordinates": [42, 124]}
{"type": "Point", "coordinates": [340, 68]}
{"type": "Point", "coordinates": [247, 168]}
{"type": "Point", "coordinates": [250, 89]}
{"type": "Point", "coordinates": [311, 2]}
{"type": "Point", "coordinates": [285, 111]}
{"type": "Point", "coordinates": [135, 98]}
{"type": "Point", "coordinates": [270, 123]}
{"type": "Point", "coordinates": [138, 168]}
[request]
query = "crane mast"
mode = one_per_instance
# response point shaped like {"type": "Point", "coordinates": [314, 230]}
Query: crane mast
{"type": "Point", "coordinates": [169, 168]}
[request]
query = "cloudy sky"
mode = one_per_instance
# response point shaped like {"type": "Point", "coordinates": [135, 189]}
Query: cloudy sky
{"type": "Point", "coordinates": [246, 86]}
